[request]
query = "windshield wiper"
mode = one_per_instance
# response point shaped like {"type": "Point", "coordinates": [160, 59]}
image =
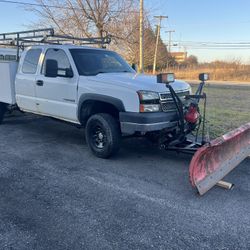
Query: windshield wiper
{"type": "Point", "coordinates": [101, 72]}
{"type": "Point", "coordinates": [106, 72]}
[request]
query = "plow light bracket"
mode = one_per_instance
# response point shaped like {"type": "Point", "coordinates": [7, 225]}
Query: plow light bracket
{"type": "Point", "coordinates": [204, 77]}
{"type": "Point", "coordinates": [165, 78]}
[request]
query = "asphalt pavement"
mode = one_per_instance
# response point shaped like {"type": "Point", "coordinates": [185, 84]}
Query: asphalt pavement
{"type": "Point", "coordinates": [54, 194]}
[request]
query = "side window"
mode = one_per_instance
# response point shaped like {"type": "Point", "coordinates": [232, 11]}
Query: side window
{"type": "Point", "coordinates": [31, 61]}
{"type": "Point", "coordinates": [1, 57]}
{"type": "Point", "coordinates": [62, 60]}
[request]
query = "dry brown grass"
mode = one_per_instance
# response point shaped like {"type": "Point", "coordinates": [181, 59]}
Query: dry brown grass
{"type": "Point", "coordinates": [215, 74]}
{"type": "Point", "coordinates": [218, 71]}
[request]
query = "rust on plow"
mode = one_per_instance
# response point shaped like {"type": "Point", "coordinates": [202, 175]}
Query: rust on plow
{"type": "Point", "coordinates": [216, 159]}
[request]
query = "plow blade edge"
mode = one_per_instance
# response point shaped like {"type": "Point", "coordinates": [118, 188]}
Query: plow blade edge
{"type": "Point", "coordinates": [216, 159]}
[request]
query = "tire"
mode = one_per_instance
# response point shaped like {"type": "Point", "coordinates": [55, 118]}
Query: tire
{"type": "Point", "coordinates": [103, 135]}
{"type": "Point", "coordinates": [2, 111]}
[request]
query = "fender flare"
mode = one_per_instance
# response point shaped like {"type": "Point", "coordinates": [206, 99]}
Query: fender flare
{"type": "Point", "coordinates": [117, 103]}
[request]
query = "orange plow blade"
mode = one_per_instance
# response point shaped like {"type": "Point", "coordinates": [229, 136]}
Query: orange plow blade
{"type": "Point", "coordinates": [216, 159]}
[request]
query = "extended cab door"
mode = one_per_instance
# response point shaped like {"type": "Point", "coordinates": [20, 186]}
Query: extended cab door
{"type": "Point", "coordinates": [56, 96]}
{"type": "Point", "coordinates": [25, 83]}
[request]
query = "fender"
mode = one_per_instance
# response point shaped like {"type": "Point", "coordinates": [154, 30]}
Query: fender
{"type": "Point", "coordinates": [102, 98]}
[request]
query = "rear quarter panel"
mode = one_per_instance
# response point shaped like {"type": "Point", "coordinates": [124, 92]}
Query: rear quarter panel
{"type": "Point", "coordinates": [8, 71]}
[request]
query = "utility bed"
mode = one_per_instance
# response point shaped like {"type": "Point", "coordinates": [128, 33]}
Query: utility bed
{"type": "Point", "coordinates": [8, 72]}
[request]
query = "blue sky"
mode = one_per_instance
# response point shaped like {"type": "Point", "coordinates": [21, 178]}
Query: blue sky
{"type": "Point", "coordinates": [207, 20]}
{"type": "Point", "coordinates": [192, 20]}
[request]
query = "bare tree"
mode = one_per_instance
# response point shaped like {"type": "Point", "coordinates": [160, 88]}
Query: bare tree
{"type": "Point", "coordinates": [90, 18]}
{"type": "Point", "coordinates": [86, 18]}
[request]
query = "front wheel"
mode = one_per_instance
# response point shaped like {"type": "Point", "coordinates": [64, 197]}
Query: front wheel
{"type": "Point", "coordinates": [2, 111]}
{"type": "Point", "coordinates": [103, 135]}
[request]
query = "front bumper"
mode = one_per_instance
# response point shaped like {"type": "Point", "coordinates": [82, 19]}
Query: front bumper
{"type": "Point", "coordinates": [132, 122]}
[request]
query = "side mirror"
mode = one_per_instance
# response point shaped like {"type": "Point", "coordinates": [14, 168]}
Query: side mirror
{"type": "Point", "coordinates": [51, 68]}
{"type": "Point", "coordinates": [204, 77]}
{"type": "Point", "coordinates": [134, 67]}
{"type": "Point", "coordinates": [165, 78]}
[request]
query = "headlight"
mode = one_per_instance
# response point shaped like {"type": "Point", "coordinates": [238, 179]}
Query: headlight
{"type": "Point", "coordinates": [148, 95]}
{"type": "Point", "coordinates": [149, 101]}
{"type": "Point", "coordinates": [190, 91]}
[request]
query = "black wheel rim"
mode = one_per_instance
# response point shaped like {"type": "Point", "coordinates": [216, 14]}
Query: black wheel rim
{"type": "Point", "coordinates": [98, 137]}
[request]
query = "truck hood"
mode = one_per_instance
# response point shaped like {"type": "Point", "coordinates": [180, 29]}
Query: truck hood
{"type": "Point", "coordinates": [137, 82]}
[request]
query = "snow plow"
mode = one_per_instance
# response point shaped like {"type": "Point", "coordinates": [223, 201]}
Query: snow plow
{"type": "Point", "coordinates": [217, 158]}
{"type": "Point", "coordinates": [212, 160]}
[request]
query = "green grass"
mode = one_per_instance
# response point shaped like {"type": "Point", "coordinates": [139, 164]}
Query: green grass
{"type": "Point", "coordinates": [228, 107]}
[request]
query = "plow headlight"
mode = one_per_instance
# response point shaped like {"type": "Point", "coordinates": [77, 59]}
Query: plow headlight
{"type": "Point", "coordinates": [165, 78]}
{"type": "Point", "coordinates": [204, 77]}
{"type": "Point", "coordinates": [149, 101]}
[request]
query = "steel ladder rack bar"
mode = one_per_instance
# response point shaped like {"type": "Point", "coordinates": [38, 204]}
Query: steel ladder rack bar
{"type": "Point", "coordinates": [45, 36]}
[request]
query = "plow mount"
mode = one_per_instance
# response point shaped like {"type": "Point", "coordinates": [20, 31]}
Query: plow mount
{"type": "Point", "coordinates": [212, 160]}
{"type": "Point", "coordinates": [216, 159]}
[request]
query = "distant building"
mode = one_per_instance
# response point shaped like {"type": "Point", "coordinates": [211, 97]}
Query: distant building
{"type": "Point", "coordinates": [179, 56]}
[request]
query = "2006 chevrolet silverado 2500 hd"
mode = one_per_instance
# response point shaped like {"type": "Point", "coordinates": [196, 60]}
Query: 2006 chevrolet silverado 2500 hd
{"type": "Point", "coordinates": [92, 87]}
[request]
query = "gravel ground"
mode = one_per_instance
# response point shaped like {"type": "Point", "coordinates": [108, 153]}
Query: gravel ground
{"type": "Point", "coordinates": [55, 195]}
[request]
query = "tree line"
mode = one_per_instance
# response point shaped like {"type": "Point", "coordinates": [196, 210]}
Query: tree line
{"type": "Point", "coordinates": [118, 18]}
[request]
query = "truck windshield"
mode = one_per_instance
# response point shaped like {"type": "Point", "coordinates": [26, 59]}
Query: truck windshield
{"type": "Point", "coordinates": [93, 62]}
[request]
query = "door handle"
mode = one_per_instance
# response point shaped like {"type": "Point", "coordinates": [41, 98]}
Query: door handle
{"type": "Point", "coordinates": [39, 83]}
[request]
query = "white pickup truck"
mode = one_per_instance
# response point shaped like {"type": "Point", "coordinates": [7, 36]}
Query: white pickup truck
{"type": "Point", "coordinates": [91, 87]}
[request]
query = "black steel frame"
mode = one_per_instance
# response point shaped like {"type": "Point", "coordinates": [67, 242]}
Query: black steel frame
{"type": "Point", "coordinates": [46, 36]}
{"type": "Point", "coordinates": [180, 142]}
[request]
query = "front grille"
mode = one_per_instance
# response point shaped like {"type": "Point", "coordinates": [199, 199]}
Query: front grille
{"type": "Point", "coordinates": [168, 106]}
{"type": "Point", "coordinates": [167, 96]}
{"type": "Point", "coordinates": [167, 103]}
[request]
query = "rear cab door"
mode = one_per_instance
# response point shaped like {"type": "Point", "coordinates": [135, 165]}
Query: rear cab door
{"type": "Point", "coordinates": [25, 84]}
{"type": "Point", "coordinates": [57, 96]}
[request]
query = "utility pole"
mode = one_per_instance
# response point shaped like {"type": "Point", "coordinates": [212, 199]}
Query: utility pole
{"type": "Point", "coordinates": [170, 39]}
{"type": "Point", "coordinates": [157, 40]}
{"type": "Point", "coordinates": [141, 61]}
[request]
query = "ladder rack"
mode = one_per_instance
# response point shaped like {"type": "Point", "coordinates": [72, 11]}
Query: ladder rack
{"type": "Point", "coordinates": [46, 36]}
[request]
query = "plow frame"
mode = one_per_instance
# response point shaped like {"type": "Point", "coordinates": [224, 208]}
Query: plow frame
{"type": "Point", "coordinates": [209, 165]}
{"type": "Point", "coordinates": [182, 142]}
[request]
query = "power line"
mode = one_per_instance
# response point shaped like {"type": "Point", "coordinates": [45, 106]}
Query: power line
{"type": "Point", "coordinates": [57, 7]}
{"type": "Point", "coordinates": [217, 43]}
{"type": "Point", "coordinates": [200, 48]}
{"type": "Point", "coordinates": [215, 47]}
{"type": "Point", "coordinates": [210, 45]}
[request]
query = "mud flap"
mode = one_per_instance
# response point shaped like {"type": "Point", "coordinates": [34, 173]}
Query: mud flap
{"type": "Point", "coordinates": [216, 159]}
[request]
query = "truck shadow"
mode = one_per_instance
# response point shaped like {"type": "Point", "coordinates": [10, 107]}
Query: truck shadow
{"type": "Point", "coordinates": [44, 129]}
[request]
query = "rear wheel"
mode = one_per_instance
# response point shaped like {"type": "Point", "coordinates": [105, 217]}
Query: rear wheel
{"type": "Point", "coordinates": [2, 111]}
{"type": "Point", "coordinates": [103, 135]}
